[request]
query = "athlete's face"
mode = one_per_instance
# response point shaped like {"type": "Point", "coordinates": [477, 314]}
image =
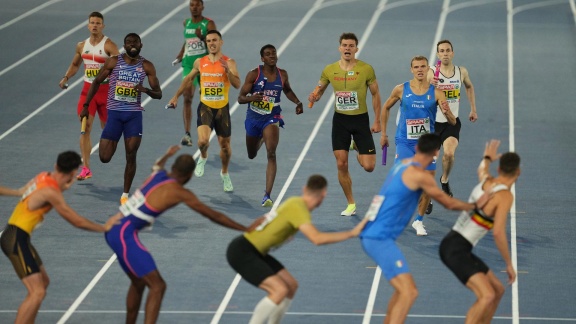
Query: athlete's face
{"type": "Point", "coordinates": [348, 49]}
{"type": "Point", "coordinates": [196, 8]}
{"type": "Point", "coordinates": [419, 69]}
{"type": "Point", "coordinates": [132, 46]}
{"type": "Point", "coordinates": [95, 25]}
{"type": "Point", "coordinates": [445, 53]}
{"type": "Point", "coordinates": [270, 57]}
{"type": "Point", "coordinates": [214, 43]}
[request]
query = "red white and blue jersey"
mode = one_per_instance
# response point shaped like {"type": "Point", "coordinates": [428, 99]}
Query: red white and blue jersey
{"type": "Point", "coordinates": [122, 94]}
{"type": "Point", "coordinates": [270, 104]}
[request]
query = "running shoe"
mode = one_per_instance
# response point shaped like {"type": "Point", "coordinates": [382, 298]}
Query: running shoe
{"type": "Point", "coordinates": [266, 201]}
{"type": "Point", "coordinates": [429, 208]}
{"type": "Point", "coordinates": [227, 182]}
{"type": "Point", "coordinates": [84, 174]}
{"type": "Point", "coordinates": [419, 227]}
{"type": "Point", "coordinates": [446, 188]}
{"type": "Point", "coordinates": [123, 200]}
{"type": "Point", "coordinates": [353, 146]}
{"type": "Point", "coordinates": [199, 171]}
{"type": "Point", "coordinates": [186, 140]}
{"type": "Point", "coordinates": [349, 211]}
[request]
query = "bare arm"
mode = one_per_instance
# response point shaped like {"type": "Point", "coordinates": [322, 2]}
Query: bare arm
{"type": "Point", "coordinates": [505, 199]}
{"type": "Point", "coordinates": [155, 92]}
{"type": "Point", "coordinates": [5, 191]}
{"type": "Point", "coordinates": [159, 164]}
{"type": "Point", "coordinates": [102, 75]}
{"type": "Point", "coordinates": [74, 66]}
{"type": "Point", "coordinates": [470, 94]}
{"type": "Point", "coordinates": [186, 83]}
{"type": "Point", "coordinates": [395, 96]}
{"type": "Point", "coordinates": [320, 238]}
{"type": "Point", "coordinates": [231, 72]}
{"type": "Point", "coordinates": [426, 181]}
{"type": "Point", "coordinates": [192, 201]}
{"type": "Point", "coordinates": [290, 93]}
{"type": "Point", "coordinates": [376, 104]}
{"type": "Point", "coordinates": [444, 107]}
{"type": "Point", "coordinates": [111, 48]}
{"type": "Point", "coordinates": [317, 93]}
{"type": "Point", "coordinates": [490, 154]}
{"type": "Point", "coordinates": [247, 87]}
{"type": "Point", "coordinates": [56, 199]}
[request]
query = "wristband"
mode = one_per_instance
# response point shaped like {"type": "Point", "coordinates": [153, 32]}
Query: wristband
{"type": "Point", "coordinates": [487, 157]}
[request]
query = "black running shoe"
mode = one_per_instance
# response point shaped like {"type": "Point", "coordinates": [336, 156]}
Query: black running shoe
{"type": "Point", "coordinates": [446, 188]}
{"type": "Point", "coordinates": [429, 208]}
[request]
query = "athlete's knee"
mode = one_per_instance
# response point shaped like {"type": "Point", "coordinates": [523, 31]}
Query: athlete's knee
{"type": "Point", "coordinates": [271, 155]}
{"type": "Point", "coordinates": [38, 294]}
{"type": "Point", "coordinates": [499, 291]}
{"type": "Point", "coordinates": [487, 297]}
{"type": "Point", "coordinates": [342, 165]}
{"type": "Point", "coordinates": [448, 155]}
{"type": "Point", "coordinates": [104, 157]}
{"type": "Point", "coordinates": [202, 143]}
{"type": "Point", "coordinates": [409, 293]}
{"type": "Point", "coordinates": [369, 165]}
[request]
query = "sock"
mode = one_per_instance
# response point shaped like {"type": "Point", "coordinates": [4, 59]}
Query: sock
{"type": "Point", "coordinates": [262, 311]}
{"type": "Point", "coordinates": [124, 194]}
{"type": "Point", "coordinates": [419, 218]}
{"type": "Point", "coordinates": [201, 158]}
{"type": "Point", "coordinates": [278, 314]}
{"type": "Point", "coordinates": [188, 133]}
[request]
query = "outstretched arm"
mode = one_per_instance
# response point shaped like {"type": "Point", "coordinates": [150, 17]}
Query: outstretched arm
{"type": "Point", "coordinates": [56, 199]}
{"type": "Point", "coordinates": [490, 155]}
{"type": "Point", "coordinates": [159, 164]}
{"type": "Point", "coordinates": [319, 238]}
{"type": "Point", "coordinates": [194, 203]}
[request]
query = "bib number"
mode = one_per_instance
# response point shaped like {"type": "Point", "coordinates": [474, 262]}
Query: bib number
{"type": "Point", "coordinates": [417, 127]}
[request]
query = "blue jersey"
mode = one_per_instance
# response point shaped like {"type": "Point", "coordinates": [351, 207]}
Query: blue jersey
{"type": "Point", "coordinates": [393, 207]}
{"type": "Point", "coordinates": [124, 78]}
{"type": "Point", "coordinates": [270, 105]}
{"type": "Point", "coordinates": [417, 115]}
{"type": "Point", "coordinates": [136, 209]}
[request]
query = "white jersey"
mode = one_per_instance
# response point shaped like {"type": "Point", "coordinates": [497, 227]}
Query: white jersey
{"type": "Point", "coordinates": [473, 225]}
{"type": "Point", "coordinates": [94, 58]}
{"type": "Point", "coordinates": [451, 87]}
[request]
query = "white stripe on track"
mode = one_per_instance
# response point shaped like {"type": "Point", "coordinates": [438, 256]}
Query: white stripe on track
{"type": "Point", "coordinates": [28, 13]}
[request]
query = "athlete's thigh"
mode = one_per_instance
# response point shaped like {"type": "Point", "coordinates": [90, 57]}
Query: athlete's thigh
{"type": "Point", "coordinates": [341, 135]}
{"type": "Point", "coordinates": [271, 136]}
{"type": "Point", "coordinates": [114, 127]}
{"type": "Point", "coordinates": [222, 124]}
{"type": "Point", "coordinates": [387, 255]}
{"type": "Point", "coordinates": [133, 124]}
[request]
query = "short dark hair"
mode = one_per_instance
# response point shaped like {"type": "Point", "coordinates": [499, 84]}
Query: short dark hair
{"type": "Point", "coordinates": [68, 161]}
{"type": "Point", "coordinates": [265, 47]}
{"type": "Point", "coordinates": [184, 165]}
{"type": "Point", "coordinates": [201, 1]}
{"type": "Point", "coordinates": [419, 58]}
{"type": "Point", "coordinates": [132, 35]}
{"type": "Point", "coordinates": [214, 31]}
{"type": "Point", "coordinates": [509, 163]}
{"type": "Point", "coordinates": [316, 182]}
{"type": "Point", "coordinates": [444, 41]}
{"type": "Point", "coordinates": [348, 36]}
{"type": "Point", "coordinates": [429, 143]}
{"type": "Point", "coordinates": [96, 14]}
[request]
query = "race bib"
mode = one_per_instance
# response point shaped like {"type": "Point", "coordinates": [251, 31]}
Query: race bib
{"type": "Point", "coordinates": [213, 91]}
{"type": "Point", "coordinates": [134, 202]}
{"type": "Point", "coordinates": [195, 46]}
{"type": "Point", "coordinates": [263, 107]}
{"type": "Point", "coordinates": [417, 127]}
{"type": "Point", "coordinates": [374, 207]}
{"type": "Point", "coordinates": [91, 71]}
{"type": "Point", "coordinates": [125, 91]}
{"type": "Point", "coordinates": [347, 100]}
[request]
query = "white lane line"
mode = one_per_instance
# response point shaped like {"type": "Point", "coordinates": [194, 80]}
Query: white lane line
{"type": "Point", "coordinates": [28, 13]}
{"type": "Point", "coordinates": [439, 31]}
{"type": "Point", "coordinates": [59, 38]}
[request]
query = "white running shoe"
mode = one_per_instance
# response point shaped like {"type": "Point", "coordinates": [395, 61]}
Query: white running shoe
{"type": "Point", "coordinates": [227, 182]}
{"type": "Point", "coordinates": [419, 227]}
{"type": "Point", "coordinates": [199, 171]}
{"type": "Point", "coordinates": [349, 211]}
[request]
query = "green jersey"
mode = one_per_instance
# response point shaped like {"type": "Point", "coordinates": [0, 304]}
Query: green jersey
{"type": "Point", "coordinates": [350, 87]}
{"type": "Point", "coordinates": [194, 47]}
{"type": "Point", "coordinates": [280, 225]}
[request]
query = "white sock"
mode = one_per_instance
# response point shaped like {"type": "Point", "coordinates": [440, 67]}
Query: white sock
{"type": "Point", "coordinates": [278, 313]}
{"type": "Point", "coordinates": [262, 311]}
{"type": "Point", "coordinates": [124, 194]}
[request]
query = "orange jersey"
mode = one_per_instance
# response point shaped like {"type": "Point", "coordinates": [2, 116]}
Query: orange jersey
{"type": "Point", "coordinates": [25, 218]}
{"type": "Point", "coordinates": [214, 83]}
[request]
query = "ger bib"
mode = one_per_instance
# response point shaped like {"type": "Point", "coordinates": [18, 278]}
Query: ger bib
{"type": "Point", "coordinates": [347, 100]}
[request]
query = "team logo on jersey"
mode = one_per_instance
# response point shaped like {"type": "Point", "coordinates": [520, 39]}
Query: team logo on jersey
{"type": "Point", "coordinates": [350, 72]}
{"type": "Point", "coordinates": [399, 263]}
{"type": "Point", "coordinates": [88, 51]}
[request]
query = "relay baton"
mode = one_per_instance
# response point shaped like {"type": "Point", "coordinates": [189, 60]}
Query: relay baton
{"type": "Point", "coordinates": [384, 153]}
{"type": "Point", "coordinates": [316, 90]}
{"type": "Point", "coordinates": [437, 72]}
{"type": "Point", "coordinates": [83, 127]}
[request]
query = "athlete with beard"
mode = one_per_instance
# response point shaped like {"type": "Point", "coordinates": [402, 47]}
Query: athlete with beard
{"type": "Point", "coordinates": [126, 73]}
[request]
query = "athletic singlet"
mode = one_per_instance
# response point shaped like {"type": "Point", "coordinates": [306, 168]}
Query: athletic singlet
{"type": "Point", "coordinates": [94, 58]}
{"type": "Point", "coordinates": [194, 47]}
{"type": "Point", "coordinates": [451, 87]}
{"type": "Point", "coordinates": [270, 104]}
{"type": "Point", "coordinates": [416, 115]}
{"type": "Point", "coordinates": [393, 207]}
{"type": "Point", "coordinates": [350, 87]}
{"type": "Point", "coordinates": [26, 219]}
{"type": "Point", "coordinates": [122, 94]}
{"type": "Point", "coordinates": [280, 225]}
{"type": "Point", "coordinates": [473, 225]}
{"type": "Point", "coordinates": [136, 207]}
{"type": "Point", "coordinates": [214, 82]}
